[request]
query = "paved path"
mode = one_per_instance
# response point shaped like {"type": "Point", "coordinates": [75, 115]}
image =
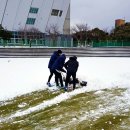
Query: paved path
{"type": "Point", "coordinates": [80, 52]}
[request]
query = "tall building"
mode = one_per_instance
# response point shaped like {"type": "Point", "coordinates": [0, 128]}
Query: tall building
{"type": "Point", "coordinates": [119, 22]}
{"type": "Point", "coordinates": [18, 15]}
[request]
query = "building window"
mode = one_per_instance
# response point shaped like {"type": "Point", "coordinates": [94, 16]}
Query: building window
{"type": "Point", "coordinates": [60, 13]}
{"type": "Point", "coordinates": [30, 21]}
{"type": "Point", "coordinates": [55, 12]}
{"type": "Point", "coordinates": [33, 10]}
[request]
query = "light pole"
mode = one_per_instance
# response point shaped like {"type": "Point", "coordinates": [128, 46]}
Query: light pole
{"type": "Point", "coordinates": [4, 12]}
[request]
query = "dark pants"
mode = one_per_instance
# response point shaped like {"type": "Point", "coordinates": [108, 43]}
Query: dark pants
{"type": "Point", "coordinates": [58, 77]}
{"type": "Point", "coordinates": [51, 74]}
{"type": "Point", "coordinates": [69, 74]}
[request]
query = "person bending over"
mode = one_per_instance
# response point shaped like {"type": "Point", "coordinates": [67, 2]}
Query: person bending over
{"type": "Point", "coordinates": [57, 68]}
{"type": "Point", "coordinates": [71, 66]}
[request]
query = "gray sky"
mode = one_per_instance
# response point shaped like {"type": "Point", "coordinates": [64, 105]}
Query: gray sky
{"type": "Point", "coordinates": [99, 13]}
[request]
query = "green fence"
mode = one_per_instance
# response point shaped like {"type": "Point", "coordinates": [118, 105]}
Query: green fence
{"type": "Point", "coordinates": [111, 43]}
{"type": "Point", "coordinates": [46, 42]}
{"type": "Point", "coordinates": [61, 42]}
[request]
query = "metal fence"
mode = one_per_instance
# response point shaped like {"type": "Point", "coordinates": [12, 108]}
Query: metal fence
{"type": "Point", "coordinates": [62, 41]}
{"type": "Point", "coordinates": [45, 42]}
{"type": "Point", "coordinates": [108, 43]}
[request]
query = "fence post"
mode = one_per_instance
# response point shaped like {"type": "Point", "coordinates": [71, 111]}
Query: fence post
{"type": "Point", "coordinates": [3, 42]}
{"type": "Point", "coordinates": [36, 41]}
{"type": "Point", "coordinates": [29, 42]}
{"type": "Point", "coordinates": [72, 42]}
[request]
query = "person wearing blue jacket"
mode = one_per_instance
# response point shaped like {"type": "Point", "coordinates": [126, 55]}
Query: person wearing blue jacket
{"type": "Point", "coordinates": [57, 68]}
{"type": "Point", "coordinates": [52, 60]}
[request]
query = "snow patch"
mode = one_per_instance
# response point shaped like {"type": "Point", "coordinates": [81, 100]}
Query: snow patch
{"type": "Point", "coordinates": [22, 105]}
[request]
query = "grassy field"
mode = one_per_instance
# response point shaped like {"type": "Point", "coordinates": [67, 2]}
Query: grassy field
{"type": "Point", "coordinates": [107, 109]}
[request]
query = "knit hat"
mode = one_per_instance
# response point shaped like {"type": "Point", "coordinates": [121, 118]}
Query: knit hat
{"type": "Point", "coordinates": [59, 52]}
{"type": "Point", "coordinates": [75, 57]}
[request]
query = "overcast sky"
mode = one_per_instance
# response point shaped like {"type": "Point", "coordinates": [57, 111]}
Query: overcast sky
{"type": "Point", "coordinates": [99, 13]}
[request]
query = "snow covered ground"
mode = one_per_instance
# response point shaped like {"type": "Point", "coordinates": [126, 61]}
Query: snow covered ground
{"type": "Point", "coordinates": [22, 75]}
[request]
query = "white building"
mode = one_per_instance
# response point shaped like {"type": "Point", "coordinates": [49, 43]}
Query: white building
{"type": "Point", "coordinates": [18, 15]}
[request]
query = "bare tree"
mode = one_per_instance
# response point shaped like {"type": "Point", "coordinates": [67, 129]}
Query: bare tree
{"type": "Point", "coordinates": [79, 32]}
{"type": "Point", "coordinates": [53, 32]}
{"type": "Point", "coordinates": [31, 33]}
{"type": "Point", "coordinates": [34, 30]}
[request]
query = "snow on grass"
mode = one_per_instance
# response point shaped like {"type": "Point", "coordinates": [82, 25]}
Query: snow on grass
{"type": "Point", "coordinates": [48, 103]}
{"type": "Point", "coordinates": [85, 108]}
{"type": "Point", "coordinates": [113, 105]}
{"type": "Point", "coordinates": [20, 76]}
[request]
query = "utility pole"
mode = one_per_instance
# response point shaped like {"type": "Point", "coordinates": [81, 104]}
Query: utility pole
{"type": "Point", "coordinates": [4, 12]}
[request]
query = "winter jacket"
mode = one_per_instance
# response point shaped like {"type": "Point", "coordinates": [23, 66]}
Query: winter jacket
{"type": "Point", "coordinates": [59, 63]}
{"type": "Point", "coordinates": [53, 58]}
{"type": "Point", "coordinates": [72, 65]}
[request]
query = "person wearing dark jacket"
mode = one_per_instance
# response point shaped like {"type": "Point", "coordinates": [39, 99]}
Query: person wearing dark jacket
{"type": "Point", "coordinates": [57, 68]}
{"type": "Point", "coordinates": [71, 66]}
{"type": "Point", "coordinates": [52, 60]}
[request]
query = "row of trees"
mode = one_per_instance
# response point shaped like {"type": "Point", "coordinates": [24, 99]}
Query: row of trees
{"type": "Point", "coordinates": [82, 33]}
{"type": "Point", "coordinates": [52, 30]}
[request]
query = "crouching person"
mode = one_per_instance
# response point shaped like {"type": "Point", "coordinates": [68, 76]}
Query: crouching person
{"type": "Point", "coordinates": [57, 68]}
{"type": "Point", "coordinates": [71, 66]}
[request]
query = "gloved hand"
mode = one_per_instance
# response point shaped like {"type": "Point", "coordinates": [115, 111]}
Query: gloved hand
{"type": "Point", "coordinates": [63, 70]}
{"type": "Point", "coordinates": [58, 71]}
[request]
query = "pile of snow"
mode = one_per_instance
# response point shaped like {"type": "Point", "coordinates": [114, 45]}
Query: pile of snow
{"type": "Point", "coordinates": [22, 75]}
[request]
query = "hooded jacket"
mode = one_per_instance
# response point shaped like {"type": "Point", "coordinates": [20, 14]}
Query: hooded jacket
{"type": "Point", "coordinates": [72, 65]}
{"type": "Point", "coordinates": [53, 58]}
{"type": "Point", "coordinates": [59, 63]}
